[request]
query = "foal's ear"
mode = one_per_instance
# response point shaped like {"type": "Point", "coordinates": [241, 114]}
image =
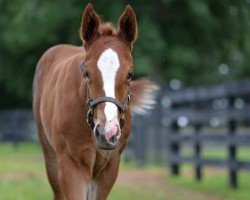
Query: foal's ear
{"type": "Point", "coordinates": [90, 24]}
{"type": "Point", "coordinates": [127, 26]}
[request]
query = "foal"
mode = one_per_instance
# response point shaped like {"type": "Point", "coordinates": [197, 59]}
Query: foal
{"type": "Point", "coordinates": [82, 157]}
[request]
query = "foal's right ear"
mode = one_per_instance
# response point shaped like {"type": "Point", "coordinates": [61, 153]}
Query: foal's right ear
{"type": "Point", "coordinates": [90, 24]}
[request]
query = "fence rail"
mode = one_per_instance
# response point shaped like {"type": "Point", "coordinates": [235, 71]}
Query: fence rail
{"type": "Point", "coordinates": [17, 126]}
{"type": "Point", "coordinates": [227, 104]}
{"type": "Point", "coordinates": [226, 139]}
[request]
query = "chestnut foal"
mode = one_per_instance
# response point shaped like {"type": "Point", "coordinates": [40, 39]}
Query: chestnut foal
{"type": "Point", "coordinates": [92, 82]}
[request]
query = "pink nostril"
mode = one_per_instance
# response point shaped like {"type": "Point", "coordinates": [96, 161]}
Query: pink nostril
{"type": "Point", "coordinates": [112, 131]}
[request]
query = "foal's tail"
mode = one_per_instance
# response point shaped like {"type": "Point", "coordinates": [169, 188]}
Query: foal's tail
{"type": "Point", "coordinates": [143, 95]}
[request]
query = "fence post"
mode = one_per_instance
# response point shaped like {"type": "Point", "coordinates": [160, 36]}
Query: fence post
{"type": "Point", "coordinates": [140, 142]}
{"type": "Point", "coordinates": [232, 150]}
{"type": "Point", "coordinates": [157, 115]}
{"type": "Point", "coordinates": [174, 150]}
{"type": "Point", "coordinates": [197, 150]}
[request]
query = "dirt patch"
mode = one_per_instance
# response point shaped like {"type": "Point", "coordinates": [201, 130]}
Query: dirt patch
{"type": "Point", "coordinates": [156, 181]}
{"type": "Point", "coordinates": [20, 175]}
{"type": "Point", "coordinates": [14, 176]}
{"type": "Point", "coordinates": [142, 179]}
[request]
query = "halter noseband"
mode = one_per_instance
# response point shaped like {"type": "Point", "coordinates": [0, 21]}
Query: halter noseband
{"type": "Point", "coordinates": [92, 103]}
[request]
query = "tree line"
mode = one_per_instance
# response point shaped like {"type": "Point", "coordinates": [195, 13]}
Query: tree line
{"type": "Point", "coordinates": [195, 42]}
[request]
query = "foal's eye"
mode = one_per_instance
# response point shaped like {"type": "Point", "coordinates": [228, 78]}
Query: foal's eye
{"type": "Point", "coordinates": [86, 75]}
{"type": "Point", "coordinates": [130, 74]}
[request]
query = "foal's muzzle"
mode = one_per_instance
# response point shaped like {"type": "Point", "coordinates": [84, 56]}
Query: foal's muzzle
{"type": "Point", "coordinates": [107, 140]}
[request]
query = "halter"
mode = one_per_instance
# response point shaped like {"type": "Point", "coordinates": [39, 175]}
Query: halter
{"type": "Point", "coordinates": [92, 103]}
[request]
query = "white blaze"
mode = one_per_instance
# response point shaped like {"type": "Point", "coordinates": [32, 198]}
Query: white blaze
{"type": "Point", "coordinates": [108, 65]}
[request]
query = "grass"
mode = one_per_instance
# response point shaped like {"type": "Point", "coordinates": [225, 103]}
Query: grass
{"type": "Point", "coordinates": [215, 181]}
{"type": "Point", "coordinates": [126, 192]}
{"type": "Point", "coordinates": [22, 177]}
{"type": "Point", "coordinates": [22, 173]}
{"type": "Point", "coordinates": [243, 153]}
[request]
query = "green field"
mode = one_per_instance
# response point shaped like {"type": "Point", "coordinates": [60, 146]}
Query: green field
{"type": "Point", "coordinates": [22, 177]}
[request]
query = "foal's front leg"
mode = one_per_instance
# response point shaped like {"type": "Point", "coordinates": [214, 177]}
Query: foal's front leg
{"type": "Point", "coordinates": [73, 180]}
{"type": "Point", "coordinates": [107, 179]}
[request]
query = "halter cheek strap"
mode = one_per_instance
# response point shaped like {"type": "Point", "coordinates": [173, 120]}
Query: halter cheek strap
{"type": "Point", "coordinates": [92, 103]}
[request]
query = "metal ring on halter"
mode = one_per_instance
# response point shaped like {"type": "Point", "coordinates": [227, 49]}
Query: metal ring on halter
{"type": "Point", "coordinates": [90, 118]}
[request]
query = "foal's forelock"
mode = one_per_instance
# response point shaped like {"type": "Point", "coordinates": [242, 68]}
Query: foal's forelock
{"type": "Point", "coordinates": [108, 64]}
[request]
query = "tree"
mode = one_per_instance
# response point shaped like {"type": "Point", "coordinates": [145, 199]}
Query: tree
{"type": "Point", "coordinates": [180, 39]}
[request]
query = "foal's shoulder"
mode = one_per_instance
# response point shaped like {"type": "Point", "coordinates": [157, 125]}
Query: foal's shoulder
{"type": "Point", "coordinates": [61, 53]}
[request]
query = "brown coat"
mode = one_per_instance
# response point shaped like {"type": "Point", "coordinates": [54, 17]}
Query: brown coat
{"type": "Point", "coordinates": [76, 168]}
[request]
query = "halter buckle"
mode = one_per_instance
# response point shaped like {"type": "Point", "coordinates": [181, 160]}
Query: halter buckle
{"type": "Point", "coordinates": [129, 97]}
{"type": "Point", "coordinates": [125, 107]}
{"type": "Point", "coordinates": [122, 121]}
{"type": "Point", "coordinates": [88, 103]}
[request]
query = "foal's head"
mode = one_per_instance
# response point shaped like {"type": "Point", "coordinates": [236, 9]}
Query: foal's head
{"type": "Point", "coordinates": [108, 68]}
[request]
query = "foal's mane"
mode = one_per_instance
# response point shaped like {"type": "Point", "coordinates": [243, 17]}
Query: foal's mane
{"type": "Point", "coordinates": [107, 29]}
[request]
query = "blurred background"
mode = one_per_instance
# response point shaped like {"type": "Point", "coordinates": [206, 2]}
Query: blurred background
{"type": "Point", "coordinates": [195, 144]}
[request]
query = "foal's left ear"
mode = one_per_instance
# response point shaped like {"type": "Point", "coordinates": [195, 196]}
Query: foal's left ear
{"type": "Point", "coordinates": [127, 27]}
